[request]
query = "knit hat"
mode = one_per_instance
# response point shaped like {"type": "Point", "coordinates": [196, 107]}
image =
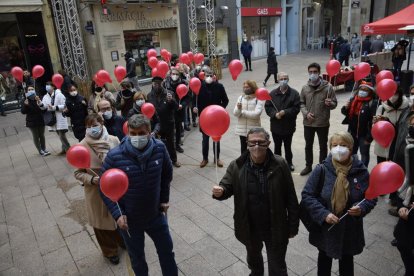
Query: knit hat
{"type": "Point", "coordinates": [367, 85]}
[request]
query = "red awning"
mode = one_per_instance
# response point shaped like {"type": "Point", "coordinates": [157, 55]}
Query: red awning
{"type": "Point", "coordinates": [391, 24]}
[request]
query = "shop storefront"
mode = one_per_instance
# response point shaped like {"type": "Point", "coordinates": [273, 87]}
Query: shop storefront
{"type": "Point", "coordinates": [136, 29]}
{"type": "Point", "coordinates": [23, 43]}
{"type": "Point", "coordinates": [261, 26]}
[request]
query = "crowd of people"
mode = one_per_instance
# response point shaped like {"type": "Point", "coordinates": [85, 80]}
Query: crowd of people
{"type": "Point", "coordinates": [267, 210]}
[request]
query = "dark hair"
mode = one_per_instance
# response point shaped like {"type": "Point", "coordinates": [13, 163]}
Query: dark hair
{"type": "Point", "coordinates": [73, 84]}
{"type": "Point", "coordinates": [271, 49]}
{"type": "Point", "coordinates": [126, 84]}
{"type": "Point", "coordinates": [314, 65]}
{"type": "Point", "coordinates": [51, 83]}
{"type": "Point", "coordinates": [93, 116]}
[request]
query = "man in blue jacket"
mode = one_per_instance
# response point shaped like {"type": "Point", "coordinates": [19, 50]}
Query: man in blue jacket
{"type": "Point", "coordinates": [146, 162]}
{"type": "Point", "coordinates": [246, 50]}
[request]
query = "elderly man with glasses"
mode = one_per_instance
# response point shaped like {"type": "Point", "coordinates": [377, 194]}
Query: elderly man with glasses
{"type": "Point", "coordinates": [265, 203]}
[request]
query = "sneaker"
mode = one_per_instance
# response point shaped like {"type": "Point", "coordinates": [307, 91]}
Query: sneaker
{"type": "Point", "coordinates": [203, 163]}
{"type": "Point", "coordinates": [44, 153]}
{"type": "Point", "coordinates": [393, 212]}
{"type": "Point", "coordinates": [264, 84]}
{"type": "Point", "coordinates": [176, 164]}
{"type": "Point", "coordinates": [219, 163]}
{"type": "Point", "coordinates": [179, 149]}
{"type": "Point", "coordinates": [306, 170]}
{"type": "Point", "coordinates": [114, 259]}
{"type": "Point", "coordinates": [187, 128]}
{"type": "Point", "coordinates": [291, 167]}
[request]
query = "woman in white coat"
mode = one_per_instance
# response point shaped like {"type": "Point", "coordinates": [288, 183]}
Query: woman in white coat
{"type": "Point", "coordinates": [54, 101]}
{"type": "Point", "coordinates": [248, 110]}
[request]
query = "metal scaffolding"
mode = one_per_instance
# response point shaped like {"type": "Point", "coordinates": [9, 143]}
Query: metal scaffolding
{"type": "Point", "coordinates": [70, 39]}
{"type": "Point", "coordinates": [210, 28]}
{"type": "Point", "coordinates": [192, 25]}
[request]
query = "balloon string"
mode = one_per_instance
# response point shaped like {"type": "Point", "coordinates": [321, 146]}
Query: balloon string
{"type": "Point", "coordinates": [129, 235]}
{"type": "Point", "coordinates": [410, 210]}
{"type": "Point", "coordinates": [329, 229]}
{"type": "Point", "coordinates": [92, 171]}
{"type": "Point", "coordinates": [216, 157]}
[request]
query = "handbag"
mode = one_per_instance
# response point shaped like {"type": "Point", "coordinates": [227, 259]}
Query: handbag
{"type": "Point", "coordinates": [49, 117]}
{"type": "Point", "coordinates": [304, 215]}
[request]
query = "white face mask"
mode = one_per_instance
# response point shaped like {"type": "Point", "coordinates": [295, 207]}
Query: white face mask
{"type": "Point", "coordinates": [139, 141]}
{"type": "Point", "coordinates": [107, 115]}
{"type": "Point", "coordinates": [49, 88]}
{"type": "Point", "coordinates": [139, 102]}
{"type": "Point", "coordinates": [209, 80]}
{"type": "Point", "coordinates": [174, 77]}
{"type": "Point", "coordinates": [94, 132]}
{"type": "Point", "coordinates": [412, 97]}
{"type": "Point", "coordinates": [362, 93]}
{"type": "Point", "coordinates": [73, 93]}
{"type": "Point", "coordinates": [394, 98]}
{"type": "Point", "coordinates": [313, 77]}
{"type": "Point", "coordinates": [340, 153]}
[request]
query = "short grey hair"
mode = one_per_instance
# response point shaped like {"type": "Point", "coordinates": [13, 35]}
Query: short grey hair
{"type": "Point", "coordinates": [258, 130]}
{"type": "Point", "coordinates": [281, 74]}
{"type": "Point", "coordinates": [139, 120]}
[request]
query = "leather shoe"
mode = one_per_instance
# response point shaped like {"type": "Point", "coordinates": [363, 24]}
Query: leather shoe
{"type": "Point", "coordinates": [176, 164]}
{"type": "Point", "coordinates": [306, 170]}
{"type": "Point", "coordinates": [394, 242]}
{"type": "Point", "coordinates": [291, 167]}
{"type": "Point", "coordinates": [179, 149]}
{"type": "Point", "coordinates": [219, 163]}
{"type": "Point", "coordinates": [393, 212]}
{"type": "Point", "coordinates": [203, 163]}
{"type": "Point", "coordinates": [187, 128]}
{"type": "Point", "coordinates": [194, 124]}
{"type": "Point", "coordinates": [114, 259]}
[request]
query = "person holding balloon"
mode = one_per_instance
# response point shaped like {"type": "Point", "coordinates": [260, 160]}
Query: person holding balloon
{"type": "Point", "coordinates": [211, 93]}
{"type": "Point", "coordinates": [247, 110]}
{"type": "Point", "coordinates": [142, 208]}
{"type": "Point", "coordinates": [337, 187]}
{"type": "Point", "coordinates": [98, 93]}
{"type": "Point", "coordinates": [54, 102]}
{"type": "Point", "coordinates": [359, 112]}
{"type": "Point", "coordinates": [34, 119]}
{"type": "Point", "coordinates": [99, 142]}
{"type": "Point", "coordinates": [77, 110]}
{"type": "Point", "coordinates": [113, 122]}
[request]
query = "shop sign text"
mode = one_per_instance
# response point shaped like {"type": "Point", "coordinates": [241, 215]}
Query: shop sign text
{"type": "Point", "coordinates": [141, 21]}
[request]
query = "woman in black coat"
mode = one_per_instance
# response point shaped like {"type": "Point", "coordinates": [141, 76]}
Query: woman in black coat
{"type": "Point", "coordinates": [271, 65]}
{"type": "Point", "coordinates": [34, 119]}
{"type": "Point", "coordinates": [77, 110]}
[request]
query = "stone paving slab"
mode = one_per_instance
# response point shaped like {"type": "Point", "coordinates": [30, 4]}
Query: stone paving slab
{"type": "Point", "coordinates": [43, 225]}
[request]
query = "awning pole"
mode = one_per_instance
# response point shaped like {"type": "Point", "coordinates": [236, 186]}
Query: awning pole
{"type": "Point", "coordinates": [409, 55]}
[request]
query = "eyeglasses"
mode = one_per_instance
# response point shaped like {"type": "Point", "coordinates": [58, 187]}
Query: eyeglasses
{"type": "Point", "coordinates": [263, 144]}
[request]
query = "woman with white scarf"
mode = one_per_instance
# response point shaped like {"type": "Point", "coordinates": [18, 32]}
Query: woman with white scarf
{"type": "Point", "coordinates": [99, 142]}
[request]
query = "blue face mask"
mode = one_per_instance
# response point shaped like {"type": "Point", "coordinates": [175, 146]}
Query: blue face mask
{"type": "Point", "coordinates": [139, 141]}
{"type": "Point", "coordinates": [49, 88]}
{"type": "Point", "coordinates": [94, 132]}
{"type": "Point", "coordinates": [30, 93]}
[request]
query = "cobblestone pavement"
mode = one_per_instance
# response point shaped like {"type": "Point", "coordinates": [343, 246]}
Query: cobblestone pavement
{"type": "Point", "coordinates": [43, 228]}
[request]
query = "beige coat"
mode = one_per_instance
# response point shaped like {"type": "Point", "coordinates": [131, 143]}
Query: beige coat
{"type": "Point", "coordinates": [98, 214]}
{"type": "Point", "coordinates": [249, 115]}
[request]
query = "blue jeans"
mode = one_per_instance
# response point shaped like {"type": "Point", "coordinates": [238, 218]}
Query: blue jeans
{"type": "Point", "coordinates": [359, 143]}
{"type": "Point", "coordinates": [158, 231]}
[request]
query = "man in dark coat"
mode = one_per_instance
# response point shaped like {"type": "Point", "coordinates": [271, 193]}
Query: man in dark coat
{"type": "Point", "coordinates": [246, 50]}
{"type": "Point", "coordinates": [67, 82]}
{"type": "Point", "coordinates": [265, 203]}
{"type": "Point", "coordinates": [165, 105]}
{"type": "Point", "coordinates": [125, 99]}
{"type": "Point", "coordinates": [77, 110]}
{"type": "Point", "coordinates": [283, 110]}
{"type": "Point", "coordinates": [142, 209]}
{"type": "Point", "coordinates": [366, 46]}
{"type": "Point", "coordinates": [344, 52]}
{"type": "Point", "coordinates": [113, 122]}
{"type": "Point", "coordinates": [131, 73]}
{"type": "Point", "coordinates": [211, 92]}
{"type": "Point", "coordinates": [271, 65]}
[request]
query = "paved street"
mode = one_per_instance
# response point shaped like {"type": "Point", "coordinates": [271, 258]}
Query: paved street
{"type": "Point", "coordinates": [43, 228]}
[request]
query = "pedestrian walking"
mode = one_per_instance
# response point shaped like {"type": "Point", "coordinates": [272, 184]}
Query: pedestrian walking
{"type": "Point", "coordinates": [283, 110]}
{"type": "Point", "coordinates": [377, 46]}
{"type": "Point", "coordinates": [246, 50]}
{"type": "Point", "coordinates": [99, 142]}
{"type": "Point", "coordinates": [247, 111]}
{"type": "Point", "coordinates": [271, 65]}
{"type": "Point", "coordinates": [355, 46]}
{"type": "Point", "coordinates": [266, 208]}
{"type": "Point", "coordinates": [336, 187]}
{"type": "Point", "coordinates": [131, 75]}
{"type": "Point", "coordinates": [317, 99]}
{"type": "Point", "coordinates": [143, 207]}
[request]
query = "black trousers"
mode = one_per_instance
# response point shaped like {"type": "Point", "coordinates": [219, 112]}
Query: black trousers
{"type": "Point", "coordinates": [322, 133]}
{"type": "Point", "coordinates": [248, 62]}
{"type": "Point", "coordinates": [407, 256]}
{"type": "Point", "coordinates": [206, 144]}
{"type": "Point", "coordinates": [268, 76]}
{"type": "Point", "coordinates": [276, 255]}
{"type": "Point", "coordinates": [346, 265]}
{"type": "Point", "coordinates": [287, 142]}
{"type": "Point", "coordinates": [243, 144]}
{"type": "Point", "coordinates": [168, 138]}
{"type": "Point", "coordinates": [178, 129]}
{"type": "Point", "coordinates": [342, 59]}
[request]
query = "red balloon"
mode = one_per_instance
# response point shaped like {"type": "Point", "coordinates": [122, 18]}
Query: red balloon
{"type": "Point", "coordinates": [185, 59]}
{"type": "Point", "coordinates": [201, 75]}
{"type": "Point", "coordinates": [191, 56]}
{"type": "Point", "coordinates": [151, 53]}
{"type": "Point", "coordinates": [17, 73]}
{"type": "Point", "coordinates": [148, 110]}
{"type": "Point", "coordinates": [262, 94]}
{"type": "Point", "coordinates": [162, 69]}
{"type": "Point", "coordinates": [384, 74]}
{"type": "Point", "coordinates": [38, 71]}
{"type": "Point", "coordinates": [385, 178]}
{"type": "Point", "coordinates": [125, 128]}
{"type": "Point", "coordinates": [152, 62]}
{"type": "Point", "coordinates": [361, 71]}
{"type": "Point", "coordinates": [114, 184]}
{"type": "Point", "coordinates": [214, 121]}
{"type": "Point", "coordinates": [181, 90]}
{"type": "Point", "coordinates": [164, 53]}
{"type": "Point", "coordinates": [120, 73]}
{"type": "Point", "coordinates": [103, 76]}
{"type": "Point", "coordinates": [97, 81]}
{"type": "Point", "coordinates": [168, 57]}
{"type": "Point", "coordinates": [386, 89]}
{"type": "Point", "coordinates": [154, 72]}
{"type": "Point", "coordinates": [57, 80]}
{"type": "Point", "coordinates": [333, 67]}
{"type": "Point", "coordinates": [235, 67]}
{"type": "Point", "coordinates": [198, 58]}
{"type": "Point", "coordinates": [79, 157]}
{"type": "Point", "coordinates": [383, 133]}
{"type": "Point", "coordinates": [195, 85]}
